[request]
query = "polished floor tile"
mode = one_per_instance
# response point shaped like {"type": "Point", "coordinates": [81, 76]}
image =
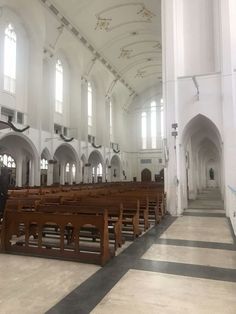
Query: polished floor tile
{"type": "Point", "coordinates": [192, 255]}
{"type": "Point", "coordinates": [209, 229]}
{"type": "Point", "coordinates": [32, 285]}
{"type": "Point", "coordinates": [148, 292]}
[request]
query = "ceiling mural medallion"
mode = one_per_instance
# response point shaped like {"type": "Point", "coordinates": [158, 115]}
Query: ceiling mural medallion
{"type": "Point", "coordinates": [158, 45]}
{"type": "Point", "coordinates": [140, 74]}
{"type": "Point", "coordinates": [146, 14]}
{"type": "Point", "coordinates": [125, 53]}
{"type": "Point", "coordinates": [103, 24]}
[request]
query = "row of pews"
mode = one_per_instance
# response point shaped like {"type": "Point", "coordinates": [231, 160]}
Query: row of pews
{"type": "Point", "coordinates": [80, 223]}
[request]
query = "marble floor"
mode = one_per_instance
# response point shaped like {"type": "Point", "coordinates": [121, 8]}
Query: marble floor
{"type": "Point", "coordinates": [184, 265]}
{"type": "Point", "coordinates": [148, 292]}
{"type": "Point", "coordinates": [32, 285]}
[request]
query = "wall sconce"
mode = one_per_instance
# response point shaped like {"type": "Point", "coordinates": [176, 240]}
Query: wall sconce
{"type": "Point", "coordinates": [197, 87]}
{"type": "Point", "coordinates": [175, 132]}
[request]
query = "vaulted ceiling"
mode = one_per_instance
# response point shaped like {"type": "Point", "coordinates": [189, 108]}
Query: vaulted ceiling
{"type": "Point", "coordinates": [124, 35]}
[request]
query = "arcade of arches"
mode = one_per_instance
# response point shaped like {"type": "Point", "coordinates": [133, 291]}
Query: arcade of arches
{"type": "Point", "coordinates": [136, 93]}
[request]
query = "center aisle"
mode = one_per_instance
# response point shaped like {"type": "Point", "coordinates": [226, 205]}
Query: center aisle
{"type": "Point", "coordinates": [184, 265]}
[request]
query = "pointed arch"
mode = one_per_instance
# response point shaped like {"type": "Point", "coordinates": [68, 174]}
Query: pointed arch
{"type": "Point", "coordinates": [200, 122]}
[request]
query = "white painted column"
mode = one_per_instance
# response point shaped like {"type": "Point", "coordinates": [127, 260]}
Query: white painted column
{"type": "Point", "coordinates": [169, 35]}
{"type": "Point", "coordinates": [62, 173]}
{"type": "Point", "coordinates": [228, 49]}
{"type": "Point", "coordinates": [19, 171]}
{"type": "Point", "coordinates": [50, 174]}
{"type": "Point", "coordinates": [78, 173]}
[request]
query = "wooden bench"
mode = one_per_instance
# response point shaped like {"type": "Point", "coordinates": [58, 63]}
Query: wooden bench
{"type": "Point", "coordinates": [114, 212]}
{"type": "Point", "coordinates": [130, 210]}
{"type": "Point", "coordinates": [23, 232]}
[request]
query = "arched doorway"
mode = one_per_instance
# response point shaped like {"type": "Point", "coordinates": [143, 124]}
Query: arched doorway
{"type": "Point", "coordinates": [23, 158]}
{"type": "Point", "coordinates": [202, 157]}
{"type": "Point", "coordinates": [115, 168]}
{"type": "Point", "coordinates": [66, 165]}
{"type": "Point", "coordinates": [96, 167]}
{"type": "Point", "coordinates": [146, 175]}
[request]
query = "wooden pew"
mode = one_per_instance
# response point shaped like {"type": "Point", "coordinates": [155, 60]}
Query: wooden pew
{"type": "Point", "coordinates": [115, 213]}
{"type": "Point", "coordinates": [20, 229]}
{"type": "Point", "coordinates": [130, 210]}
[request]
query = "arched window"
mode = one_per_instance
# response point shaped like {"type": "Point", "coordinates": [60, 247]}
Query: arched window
{"type": "Point", "coordinates": [67, 167]}
{"type": "Point", "coordinates": [73, 169]}
{"type": "Point", "coordinates": [154, 125]}
{"type": "Point", "coordinates": [111, 123]}
{"type": "Point", "coordinates": [93, 174]}
{"type": "Point", "coordinates": [90, 106]}
{"type": "Point", "coordinates": [144, 129]}
{"type": "Point", "coordinates": [162, 120]}
{"type": "Point", "coordinates": [44, 164]}
{"type": "Point", "coordinates": [10, 59]}
{"type": "Point", "coordinates": [59, 87]}
{"type": "Point", "coordinates": [99, 170]}
{"type": "Point", "coordinates": [7, 161]}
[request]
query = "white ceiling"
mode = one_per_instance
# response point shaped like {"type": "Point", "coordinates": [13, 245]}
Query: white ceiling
{"type": "Point", "coordinates": [127, 34]}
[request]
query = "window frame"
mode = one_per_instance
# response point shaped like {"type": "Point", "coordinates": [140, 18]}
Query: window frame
{"type": "Point", "coordinates": [9, 59]}
{"type": "Point", "coordinates": [90, 106]}
{"type": "Point", "coordinates": [59, 86]}
{"type": "Point", "coordinates": [144, 130]}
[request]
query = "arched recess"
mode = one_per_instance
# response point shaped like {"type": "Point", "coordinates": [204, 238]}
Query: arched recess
{"type": "Point", "coordinates": [66, 166]}
{"type": "Point", "coordinates": [201, 143]}
{"type": "Point", "coordinates": [26, 157]}
{"type": "Point", "coordinates": [146, 175]}
{"type": "Point", "coordinates": [96, 167]}
{"type": "Point", "coordinates": [115, 168]}
{"type": "Point", "coordinates": [44, 167]}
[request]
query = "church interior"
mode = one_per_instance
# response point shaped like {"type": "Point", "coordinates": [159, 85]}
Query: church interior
{"type": "Point", "coordinates": [117, 156]}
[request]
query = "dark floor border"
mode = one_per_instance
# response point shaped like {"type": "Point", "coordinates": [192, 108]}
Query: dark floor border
{"type": "Point", "coordinates": [86, 296]}
{"type": "Point", "coordinates": [205, 208]}
{"type": "Point", "coordinates": [204, 214]}
{"type": "Point", "coordinates": [199, 244]}
{"type": "Point", "coordinates": [189, 270]}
